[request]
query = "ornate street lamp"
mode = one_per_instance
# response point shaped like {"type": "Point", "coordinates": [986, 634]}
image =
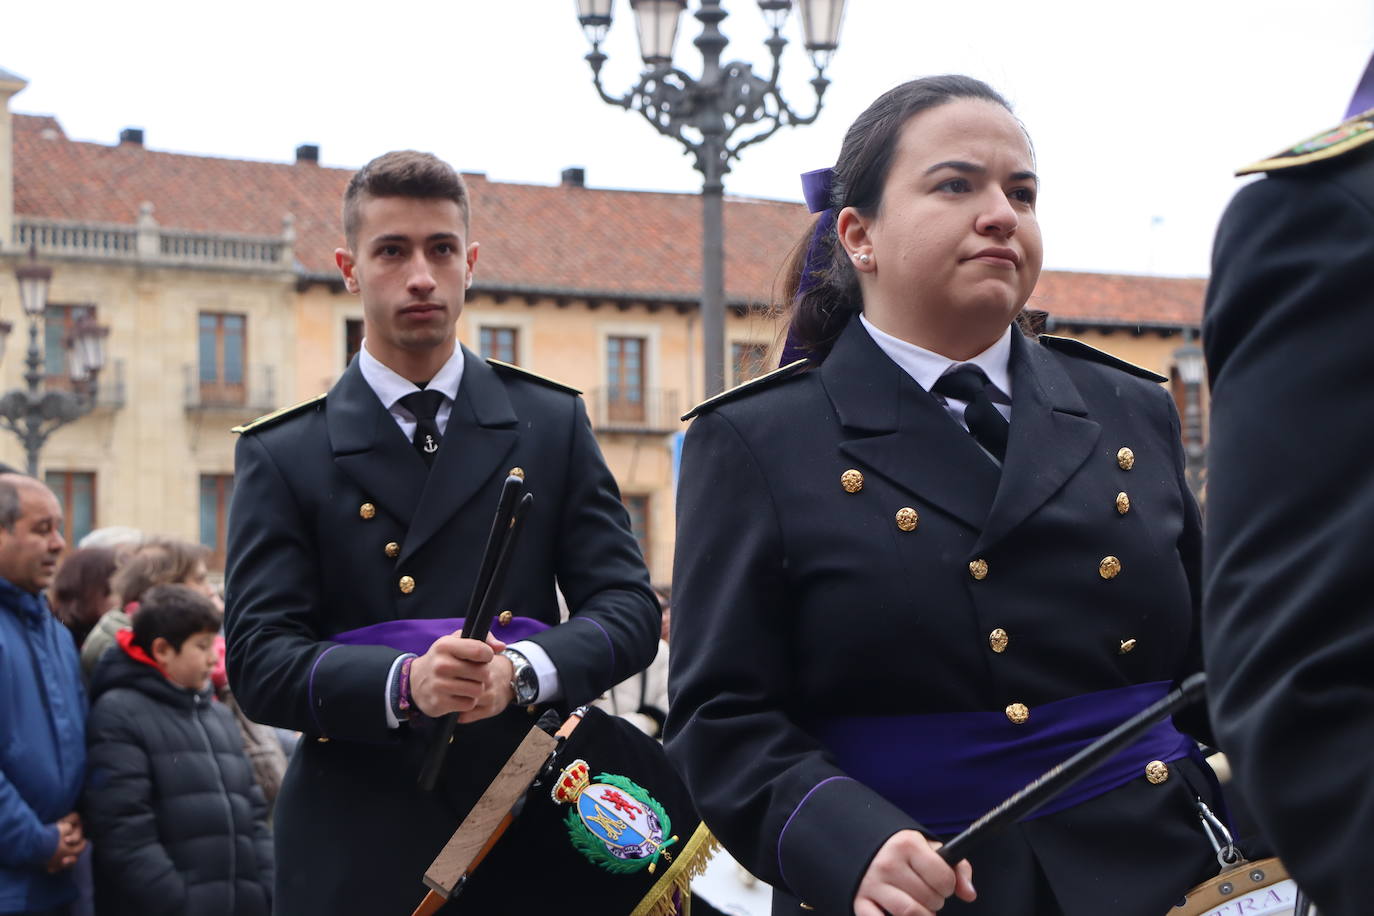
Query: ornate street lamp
{"type": "Point", "coordinates": [1191, 366]}
{"type": "Point", "coordinates": [704, 113]}
{"type": "Point", "coordinates": [31, 413]}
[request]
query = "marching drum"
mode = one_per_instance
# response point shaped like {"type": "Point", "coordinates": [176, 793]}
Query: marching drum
{"type": "Point", "coordinates": [1259, 888]}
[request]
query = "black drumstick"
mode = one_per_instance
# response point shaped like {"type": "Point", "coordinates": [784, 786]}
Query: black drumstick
{"type": "Point", "coordinates": [481, 621]}
{"type": "Point", "coordinates": [1057, 779]}
{"type": "Point", "coordinates": [504, 528]}
{"type": "Point", "coordinates": [500, 527]}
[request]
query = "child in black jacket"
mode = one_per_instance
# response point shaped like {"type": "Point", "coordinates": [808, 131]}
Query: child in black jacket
{"type": "Point", "coordinates": [176, 821]}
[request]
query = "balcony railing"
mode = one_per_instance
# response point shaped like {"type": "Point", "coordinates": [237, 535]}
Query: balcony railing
{"type": "Point", "coordinates": [257, 393]}
{"type": "Point", "coordinates": [642, 410]}
{"type": "Point", "coordinates": [148, 243]}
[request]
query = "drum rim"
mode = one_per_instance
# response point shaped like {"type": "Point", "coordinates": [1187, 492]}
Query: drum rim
{"type": "Point", "coordinates": [1198, 899]}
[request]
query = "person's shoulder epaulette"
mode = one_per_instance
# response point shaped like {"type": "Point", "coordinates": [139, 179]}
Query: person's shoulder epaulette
{"type": "Point", "coordinates": [1339, 140]}
{"type": "Point", "coordinates": [499, 366]}
{"type": "Point", "coordinates": [754, 384]}
{"type": "Point", "coordinates": [1078, 348]}
{"type": "Point", "coordinates": [276, 416]}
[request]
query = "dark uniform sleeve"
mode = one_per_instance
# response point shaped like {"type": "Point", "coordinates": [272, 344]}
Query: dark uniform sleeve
{"type": "Point", "coordinates": [766, 788]}
{"type": "Point", "coordinates": [298, 680]}
{"type": "Point", "coordinates": [1289, 636]}
{"type": "Point", "coordinates": [1193, 720]}
{"type": "Point", "coordinates": [612, 631]}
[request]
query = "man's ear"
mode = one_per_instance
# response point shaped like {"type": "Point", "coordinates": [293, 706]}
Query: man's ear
{"type": "Point", "coordinates": [472, 262]}
{"type": "Point", "coordinates": [344, 258]}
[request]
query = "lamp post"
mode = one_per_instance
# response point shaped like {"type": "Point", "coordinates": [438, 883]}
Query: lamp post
{"type": "Point", "coordinates": [705, 112]}
{"type": "Point", "coordinates": [31, 413]}
{"type": "Point", "coordinates": [1191, 366]}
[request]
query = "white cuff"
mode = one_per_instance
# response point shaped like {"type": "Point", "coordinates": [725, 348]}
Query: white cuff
{"type": "Point", "coordinates": [549, 688]}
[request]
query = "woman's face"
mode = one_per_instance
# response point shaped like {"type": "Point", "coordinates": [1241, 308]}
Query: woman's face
{"type": "Point", "coordinates": [954, 247]}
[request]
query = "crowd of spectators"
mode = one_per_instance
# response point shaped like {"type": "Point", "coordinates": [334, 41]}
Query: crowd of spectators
{"type": "Point", "coordinates": [130, 780]}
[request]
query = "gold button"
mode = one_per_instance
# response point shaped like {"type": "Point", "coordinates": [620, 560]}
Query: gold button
{"type": "Point", "coordinates": [407, 585]}
{"type": "Point", "coordinates": [1018, 713]}
{"type": "Point", "coordinates": [997, 639]}
{"type": "Point", "coordinates": [1123, 503]}
{"type": "Point", "coordinates": [1126, 646]}
{"type": "Point", "coordinates": [1109, 567]}
{"type": "Point", "coordinates": [516, 472]}
{"type": "Point", "coordinates": [1157, 771]}
{"type": "Point", "coordinates": [322, 740]}
{"type": "Point", "coordinates": [852, 481]}
{"type": "Point", "coordinates": [393, 549]}
{"type": "Point", "coordinates": [1126, 458]}
{"type": "Point", "coordinates": [504, 618]}
{"type": "Point", "coordinates": [907, 519]}
{"type": "Point", "coordinates": [367, 510]}
{"type": "Point", "coordinates": [978, 569]}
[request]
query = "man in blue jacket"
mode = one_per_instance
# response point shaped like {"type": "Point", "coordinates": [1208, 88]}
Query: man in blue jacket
{"type": "Point", "coordinates": [42, 711]}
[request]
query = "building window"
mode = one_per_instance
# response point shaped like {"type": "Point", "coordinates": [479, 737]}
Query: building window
{"type": "Point", "coordinates": [215, 491]}
{"type": "Point", "coordinates": [76, 491]}
{"type": "Point", "coordinates": [500, 343]}
{"type": "Point", "coordinates": [222, 361]}
{"type": "Point", "coordinates": [746, 360]}
{"type": "Point", "coordinates": [638, 507]}
{"type": "Point", "coordinates": [625, 367]}
{"type": "Point", "coordinates": [58, 323]}
{"type": "Point", "coordinates": [353, 339]}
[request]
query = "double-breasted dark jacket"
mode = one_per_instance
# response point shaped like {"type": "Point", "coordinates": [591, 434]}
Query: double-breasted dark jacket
{"type": "Point", "coordinates": [336, 524]}
{"type": "Point", "coordinates": [1289, 608]}
{"type": "Point", "coordinates": [845, 549]}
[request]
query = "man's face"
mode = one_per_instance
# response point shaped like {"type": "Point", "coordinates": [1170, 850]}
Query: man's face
{"type": "Point", "coordinates": [29, 553]}
{"type": "Point", "coordinates": [411, 264]}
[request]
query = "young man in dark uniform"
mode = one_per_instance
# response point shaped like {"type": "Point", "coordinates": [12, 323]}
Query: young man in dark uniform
{"type": "Point", "coordinates": [1289, 602]}
{"type": "Point", "coordinates": [356, 532]}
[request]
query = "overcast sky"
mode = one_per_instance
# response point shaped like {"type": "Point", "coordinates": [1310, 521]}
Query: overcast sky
{"type": "Point", "coordinates": [1140, 111]}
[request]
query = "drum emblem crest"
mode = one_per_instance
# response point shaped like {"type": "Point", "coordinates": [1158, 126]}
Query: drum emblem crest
{"type": "Point", "coordinates": [613, 821]}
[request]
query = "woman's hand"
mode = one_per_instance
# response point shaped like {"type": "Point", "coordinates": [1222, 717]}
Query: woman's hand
{"type": "Point", "coordinates": [908, 878]}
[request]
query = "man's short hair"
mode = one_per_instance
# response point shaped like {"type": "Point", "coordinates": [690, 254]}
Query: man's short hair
{"type": "Point", "coordinates": [175, 613]}
{"type": "Point", "coordinates": [10, 482]}
{"type": "Point", "coordinates": [402, 173]}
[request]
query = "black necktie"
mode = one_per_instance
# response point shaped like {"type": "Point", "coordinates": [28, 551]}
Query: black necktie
{"type": "Point", "coordinates": [425, 404]}
{"type": "Point", "coordinates": [985, 421]}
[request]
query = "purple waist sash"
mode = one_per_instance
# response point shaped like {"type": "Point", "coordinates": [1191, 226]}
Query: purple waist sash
{"type": "Point", "coordinates": [948, 769]}
{"type": "Point", "coordinates": [418, 635]}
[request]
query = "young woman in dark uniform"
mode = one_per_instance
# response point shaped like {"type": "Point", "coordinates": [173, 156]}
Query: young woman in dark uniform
{"type": "Point", "coordinates": [893, 609]}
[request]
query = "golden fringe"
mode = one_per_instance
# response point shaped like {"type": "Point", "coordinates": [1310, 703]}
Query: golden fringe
{"type": "Point", "coordinates": [689, 863]}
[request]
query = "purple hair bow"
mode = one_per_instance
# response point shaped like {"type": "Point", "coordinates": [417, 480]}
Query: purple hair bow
{"type": "Point", "coordinates": [816, 188]}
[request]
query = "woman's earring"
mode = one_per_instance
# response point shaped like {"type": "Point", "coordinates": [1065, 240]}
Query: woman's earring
{"type": "Point", "coordinates": [864, 259]}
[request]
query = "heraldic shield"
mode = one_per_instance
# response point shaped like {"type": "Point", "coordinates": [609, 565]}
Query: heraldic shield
{"type": "Point", "coordinates": [607, 827]}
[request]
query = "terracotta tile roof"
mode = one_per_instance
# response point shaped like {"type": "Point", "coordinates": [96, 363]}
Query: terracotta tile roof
{"type": "Point", "coordinates": [538, 239]}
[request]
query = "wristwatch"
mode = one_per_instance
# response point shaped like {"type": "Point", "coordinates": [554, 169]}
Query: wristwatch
{"type": "Point", "coordinates": [524, 682]}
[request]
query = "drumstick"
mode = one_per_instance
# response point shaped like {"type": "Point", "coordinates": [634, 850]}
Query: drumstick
{"type": "Point", "coordinates": [1057, 779]}
{"type": "Point", "coordinates": [477, 623]}
{"type": "Point", "coordinates": [500, 525]}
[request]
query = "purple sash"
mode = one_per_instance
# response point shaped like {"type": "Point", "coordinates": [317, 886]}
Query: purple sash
{"type": "Point", "coordinates": [418, 635]}
{"type": "Point", "coordinates": [948, 769]}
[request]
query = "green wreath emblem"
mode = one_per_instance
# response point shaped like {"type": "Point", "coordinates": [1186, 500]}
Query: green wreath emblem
{"type": "Point", "coordinates": [595, 849]}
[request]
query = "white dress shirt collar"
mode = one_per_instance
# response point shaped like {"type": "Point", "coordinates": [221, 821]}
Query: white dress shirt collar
{"type": "Point", "coordinates": [391, 387]}
{"type": "Point", "coordinates": [926, 366]}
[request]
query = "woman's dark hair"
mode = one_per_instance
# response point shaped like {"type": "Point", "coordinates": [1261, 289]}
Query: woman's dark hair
{"type": "Point", "coordinates": [819, 313]}
{"type": "Point", "coordinates": [174, 612]}
{"type": "Point", "coordinates": [81, 589]}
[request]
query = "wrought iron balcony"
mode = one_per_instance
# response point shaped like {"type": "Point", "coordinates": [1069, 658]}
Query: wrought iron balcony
{"type": "Point", "coordinates": [634, 410]}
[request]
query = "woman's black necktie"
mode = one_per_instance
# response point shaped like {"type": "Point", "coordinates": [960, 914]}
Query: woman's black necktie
{"type": "Point", "coordinates": [425, 404]}
{"type": "Point", "coordinates": [985, 422]}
